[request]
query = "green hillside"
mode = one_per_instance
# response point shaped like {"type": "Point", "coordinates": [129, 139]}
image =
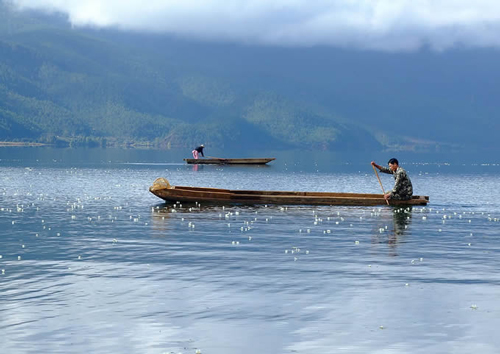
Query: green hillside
{"type": "Point", "coordinates": [63, 85]}
{"type": "Point", "coordinates": [99, 87]}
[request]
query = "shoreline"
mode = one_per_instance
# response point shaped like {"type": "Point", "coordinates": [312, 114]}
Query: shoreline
{"type": "Point", "coordinates": [16, 143]}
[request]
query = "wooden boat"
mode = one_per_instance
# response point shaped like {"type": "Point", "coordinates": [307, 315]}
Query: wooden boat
{"type": "Point", "coordinates": [221, 161]}
{"type": "Point", "coordinates": [162, 189]}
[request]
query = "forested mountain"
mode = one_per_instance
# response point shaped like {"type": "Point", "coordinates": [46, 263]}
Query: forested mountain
{"type": "Point", "coordinates": [86, 86]}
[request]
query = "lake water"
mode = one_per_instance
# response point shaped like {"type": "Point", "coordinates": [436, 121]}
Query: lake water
{"type": "Point", "coordinates": [92, 262]}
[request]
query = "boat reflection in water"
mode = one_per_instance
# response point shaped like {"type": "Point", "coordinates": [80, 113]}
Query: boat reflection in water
{"type": "Point", "coordinates": [175, 217]}
{"type": "Point", "coordinates": [160, 216]}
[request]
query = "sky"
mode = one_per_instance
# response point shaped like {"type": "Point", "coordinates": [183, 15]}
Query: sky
{"type": "Point", "coordinates": [382, 25]}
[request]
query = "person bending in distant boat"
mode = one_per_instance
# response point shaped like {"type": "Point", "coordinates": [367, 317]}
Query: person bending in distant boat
{"type": "Point", "coordinates": [198, 150]}
{"type": "Point", "coordinates": [403, 190]}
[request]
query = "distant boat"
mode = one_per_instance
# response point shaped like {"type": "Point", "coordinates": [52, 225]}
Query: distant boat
{"type": "Point", "coordinates": [221, 161]}
{"type": "Point", "coordinates": [162, 189]}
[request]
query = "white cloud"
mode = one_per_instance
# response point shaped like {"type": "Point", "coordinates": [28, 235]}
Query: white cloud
{"type": "Point", "coordinates": [391, 25]}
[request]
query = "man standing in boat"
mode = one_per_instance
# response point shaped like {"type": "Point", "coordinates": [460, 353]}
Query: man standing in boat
{"type": "Point", "coordinates": [198, 150]}
{"type": "Point", "coordinates": [403, 189]}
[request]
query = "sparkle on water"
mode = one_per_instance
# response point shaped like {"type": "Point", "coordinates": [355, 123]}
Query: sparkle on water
{"type": "Point", "coordinates": [91, 262]}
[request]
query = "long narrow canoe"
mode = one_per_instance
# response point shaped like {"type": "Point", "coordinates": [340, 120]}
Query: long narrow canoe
{"type": "Point", "coordinates": [162, 189]}
{"type": "Point", "coordinates": [221, 161]}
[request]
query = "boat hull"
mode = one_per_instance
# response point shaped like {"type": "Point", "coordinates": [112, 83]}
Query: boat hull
{"type": "Point", "coordinates": [212, 161]}
{"type": "Point", "coordinates": [162, 189]}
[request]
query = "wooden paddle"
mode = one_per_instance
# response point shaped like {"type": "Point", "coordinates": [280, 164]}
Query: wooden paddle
{"type": "Point", "coordinates": [217, 158]}
{"type": "Point", "coordinates": [379, 181]}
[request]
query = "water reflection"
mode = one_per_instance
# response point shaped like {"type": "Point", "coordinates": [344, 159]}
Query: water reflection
{"type": "Point", "coordinates": [160, 216]}
{"type": "Point", "coordinates": [197, 167]}
{"type": "Point", "coordinates": [136, 275]}
{"type": "Point", "coordinates": [400, 218]}
{"type": "Point", "coordinates": [163, 216]}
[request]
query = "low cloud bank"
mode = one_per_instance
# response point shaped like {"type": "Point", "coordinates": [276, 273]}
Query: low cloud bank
{"type": "Point", "coordinates": [364, 24]}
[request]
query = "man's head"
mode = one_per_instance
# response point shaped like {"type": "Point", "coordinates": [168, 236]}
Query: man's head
{"type": "Point", "coordinates": [202, 145]}
{"type": "Point", "coordinates": [393, 164]}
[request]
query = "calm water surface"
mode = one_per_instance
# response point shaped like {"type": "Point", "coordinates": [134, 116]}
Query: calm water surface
{"type": "Point", "coordinates": [92, 262]}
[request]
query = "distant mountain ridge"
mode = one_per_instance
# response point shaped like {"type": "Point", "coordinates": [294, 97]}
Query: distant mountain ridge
{"type": "Point", "coordinates": [98, 87]}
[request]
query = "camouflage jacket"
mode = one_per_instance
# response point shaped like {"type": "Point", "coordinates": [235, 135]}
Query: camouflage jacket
{"type": "Point", "coordinates": [403, 188]}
